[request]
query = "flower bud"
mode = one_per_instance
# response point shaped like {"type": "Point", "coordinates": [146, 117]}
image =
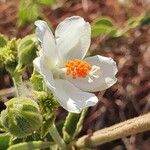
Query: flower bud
{"type": "Point", "coordinates": [21, 117]}
{"type": "Point", "coordinates": [27, 48]}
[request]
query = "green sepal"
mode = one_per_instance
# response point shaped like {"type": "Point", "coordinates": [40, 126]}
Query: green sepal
{"type": "Point", "coordinates": [30, 145]}
{"type": "Point", "coordinates": [4, 141]}
{"type": "Point", "coordinates": [47, 103]}
{"type": "Point", "coordinates": [37, 82]}
{"type": "Point", "coordinates": [73, 125]}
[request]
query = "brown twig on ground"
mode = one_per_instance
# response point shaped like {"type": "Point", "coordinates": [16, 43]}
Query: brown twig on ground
{"type": "Point", "coordinates": [120, 130]}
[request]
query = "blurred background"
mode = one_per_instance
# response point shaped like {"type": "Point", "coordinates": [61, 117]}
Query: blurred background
{"type": "Point", "coordinates": [121, 30]}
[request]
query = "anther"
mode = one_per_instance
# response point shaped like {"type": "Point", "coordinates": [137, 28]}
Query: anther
{"type": "Point", "coordinates": [77, 68]}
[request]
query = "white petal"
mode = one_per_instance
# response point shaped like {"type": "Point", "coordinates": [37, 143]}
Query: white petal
{"type": "Point", "coordinates": [46, 37]}
{"type": "Point", "coordinates": [46, 73]}
{"type": "Point", "coordinates": [72, 98]}
{"type": "Point", "coordinates": [106, 75]}
{"type": "Point", "coordinates": [73, 37]}
{"type": "Point", "coordinates": [36, 63]}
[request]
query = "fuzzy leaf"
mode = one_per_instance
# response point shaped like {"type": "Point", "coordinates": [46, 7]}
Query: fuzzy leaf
{"type": "Point", "coordinates": [4, 141]}
{"type": "Point", "coordinates": [46, 125]}
{"type": "Point", "coordinates": [72, 125]}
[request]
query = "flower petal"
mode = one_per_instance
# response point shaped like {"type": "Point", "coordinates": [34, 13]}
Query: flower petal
{"type": "Point", "coordinates": [46, 73]}
{"type": "Point", "coordinates": [105, 75]}
{"type": "Point", "coordinates": [36, 63]}
{"type": "Point", "coordinates": [46, 37]}
{"type": "Point", "coordinates": [73, 37]}
{"type": "Point", "coordinates": [72, 98]}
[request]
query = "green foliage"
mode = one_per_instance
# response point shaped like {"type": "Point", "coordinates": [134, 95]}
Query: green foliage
{"type": "Point", "coordinates": [3, 41]}
{"type": "Point", "coordinates": [21, 117]}
{"type": "Point", "coordinates": [47, 103]}
{"type": "Point", "coordinates": [8, 56]}
{"type": "Point", "coordinates": [37, 82]}
{"type": "Point", "coordinates": [146, 19]}
{"type": "Point", "coordinates": [73, 125]}
{"type": "Point", "coordinates": [30, 145]}
{"type": "Point", "coordinates": [48, 106]}
{"type": "Point", "coordinates": [47, 122]}
{"type": "Point", "coordinates": [4, 141]}
{"type": "Point", "coordinates": [134, 22]}
{"type": "Point", "coordinates": [29, 10]}
{"type": "Point", "coordinates": [105, 26]}
{"type": "Point", "coordinates": [15, 55]}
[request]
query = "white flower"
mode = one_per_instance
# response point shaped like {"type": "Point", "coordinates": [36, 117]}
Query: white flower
{"type": "Point", "coordinates": [65, 70]}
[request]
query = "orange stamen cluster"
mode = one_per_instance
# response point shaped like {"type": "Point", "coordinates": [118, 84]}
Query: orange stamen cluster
{"type": "Point", "coordinates": [77, 68]}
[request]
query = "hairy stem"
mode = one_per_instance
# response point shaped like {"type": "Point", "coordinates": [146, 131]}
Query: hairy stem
{"type": "Point", "coordinates": [120, 130]}
{"type": "Point", "coordinates": [56, 137]}
{"type": "Point", "coordinates": [17, 80]}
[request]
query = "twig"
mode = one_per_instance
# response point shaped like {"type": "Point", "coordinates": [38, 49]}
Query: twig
{"type": "Point", "coordinates": [7, 92]}
{"type": "Point", "coordinates": [120, 130]}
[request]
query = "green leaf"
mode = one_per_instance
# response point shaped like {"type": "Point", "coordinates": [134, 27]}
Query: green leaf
{"type": "Point", "coordinates": [4, 141]}
{"type": "Point", "coordinates": [134, 22]}
{"type": "Point", "coordinates": [30, 145]}
{"type": "Point", "coordinates": [3, 40]}
{"type": "Point", "coordinates": [146, 19]}
{"type": "Point", "coordinates": [28, 12]}
{"type": "Point", "coordinates": [98, 30]}
{"type": "Point", "coordinates": [46, 125]}
{"type": "Point", "coordinates": [72, 125]}
{"type": "Point", "coordinates": [104, 21]}
{"type": "Point", "coordinates": [15, 140]}
{"type": "Point", "coordinates": [103, 26]}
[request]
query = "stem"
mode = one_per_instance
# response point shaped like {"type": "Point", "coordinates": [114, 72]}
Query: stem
{"type": "Point", "coordinates": [80, 122]}
{"type": "Point", "coordinates": [56, 137]}
{"type": "Point", "coordinates": [120, 130]}
{"type": "Point", "coordinates": [17, 80]}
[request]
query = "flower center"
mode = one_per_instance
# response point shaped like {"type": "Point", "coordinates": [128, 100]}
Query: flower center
{"type": "Point", "coordinates": [77, 68]}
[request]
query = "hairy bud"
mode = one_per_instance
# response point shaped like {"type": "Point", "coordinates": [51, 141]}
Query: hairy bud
{"type": "Point", "coordinates": [21, 117]}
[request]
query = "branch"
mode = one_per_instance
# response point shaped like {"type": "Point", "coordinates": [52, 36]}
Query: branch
{"type": "Point", "coordinates": [117, 131]}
